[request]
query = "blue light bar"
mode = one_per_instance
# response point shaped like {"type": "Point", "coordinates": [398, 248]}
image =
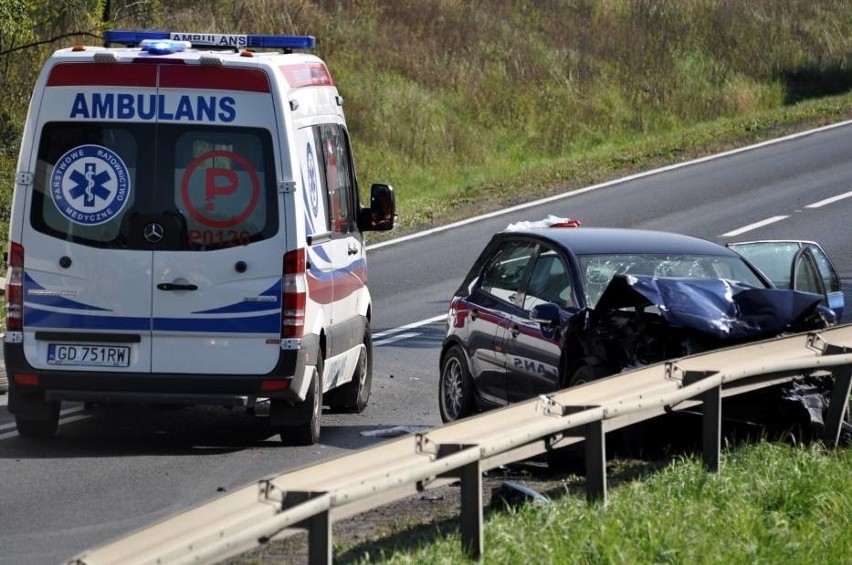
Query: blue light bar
{"type": "Point", "coordinates": [218, 40]}
{"type": "Point", "coordinates": [163, 46]}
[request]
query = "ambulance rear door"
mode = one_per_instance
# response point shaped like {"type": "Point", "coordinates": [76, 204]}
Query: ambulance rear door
{"type": "Point", "coordinates": [87, 290]}
{"type": "Point", "coordinates": [216, 297]}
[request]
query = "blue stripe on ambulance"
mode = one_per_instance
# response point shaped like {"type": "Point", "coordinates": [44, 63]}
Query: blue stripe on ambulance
{"type": "Point", "coordinates": [38, 318]}
{"type": "Point", "coordinates": [266, 323]}
{"type": "Point", "coordinates": [251, 306]}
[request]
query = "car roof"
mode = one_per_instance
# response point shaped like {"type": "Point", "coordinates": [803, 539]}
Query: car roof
{"type": "Point", "coordinates": [586, 241]}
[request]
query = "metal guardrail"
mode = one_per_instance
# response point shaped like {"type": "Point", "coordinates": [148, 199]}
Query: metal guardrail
{"type": "Point", "coordinates": [312, 497]}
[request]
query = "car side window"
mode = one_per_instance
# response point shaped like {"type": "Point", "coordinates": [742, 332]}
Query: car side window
{"type": "Point", "coordinates": [549, 282]}
{"type": "Point", "coordinates": [826, 271]}
{"type": "Point", "coordinates": [807, 277]}
{"type": "Point", "coordinates": [503, 274]}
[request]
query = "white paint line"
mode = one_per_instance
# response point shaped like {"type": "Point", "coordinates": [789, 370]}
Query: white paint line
{"type": "Point", "coordinates": [410, 326]}
{"type": "Point", "coordinates": [393, 339]}
{"type": "Point", "coordinates": [831, 200]}
{"type": "Point", "coordinates": [754, 226]}
{"type": "Point", "coordinates": [609, 183]}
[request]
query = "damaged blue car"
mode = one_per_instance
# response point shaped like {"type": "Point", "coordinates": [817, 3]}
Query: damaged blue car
{"type": "Point", "coordinates": [549, 305]}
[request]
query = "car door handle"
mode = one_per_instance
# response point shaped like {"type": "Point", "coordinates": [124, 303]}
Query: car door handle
{"type": "Point", "coordinates": [515, 330]}
{"type": "Point", "coordinates": [176, 286]}
{"type": "Point", "coordinates": [474, 314]}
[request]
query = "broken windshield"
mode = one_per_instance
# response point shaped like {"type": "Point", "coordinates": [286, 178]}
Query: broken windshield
{"type": "Point", "coordinates": [597, 270]}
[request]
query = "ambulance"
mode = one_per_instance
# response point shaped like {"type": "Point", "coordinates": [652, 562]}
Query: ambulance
{"type": "Point", "coordinates": [186, 230]}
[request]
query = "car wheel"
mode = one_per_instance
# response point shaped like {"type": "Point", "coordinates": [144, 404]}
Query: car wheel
{"type": "Point", "coordinates": [455, 386]}
{"type": "Point", "coordinates": [305, 430]}
{"type": "Point", "coordinates": [353, 396]}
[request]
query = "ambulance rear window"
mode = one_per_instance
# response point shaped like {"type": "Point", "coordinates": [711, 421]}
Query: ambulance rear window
{"type": "Point", "coordinates": [150, 186]}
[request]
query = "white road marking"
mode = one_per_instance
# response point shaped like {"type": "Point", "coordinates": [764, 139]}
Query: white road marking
{"type": "Point", "coordinates": [608, 183]}
{"type": "Point", "coordinates": [410, 326]}
{"type": "Point", "coordinates": [754, 226]}
{"type": "Point", "coordinates": [395, 338]}
{"type": "Point", "coordinates": [831, 200]}
{"type": "Point", "coordinates": [391, 336]}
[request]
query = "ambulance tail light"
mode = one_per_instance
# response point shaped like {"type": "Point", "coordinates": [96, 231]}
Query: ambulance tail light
{"type": "Point", "coordinates": [15, 289]}
{"type": "Point", "coordinates": [294, 294]}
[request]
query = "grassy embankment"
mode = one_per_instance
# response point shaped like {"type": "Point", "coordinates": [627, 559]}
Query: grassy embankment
{"type": "Point", "coordinates": [467, 106]}
{"type": "Point", "coordinates": [771, 503]}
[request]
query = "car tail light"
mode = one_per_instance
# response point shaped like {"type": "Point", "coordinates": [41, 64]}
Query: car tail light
{"type": "Point", "coordinates": [294, 295]}
{"type": "Point", "coordinates": [15, 289]}
{"type": "Point", "coordinates": [274, 385]}
{"type": "Point", "coordinates": [25, 379]}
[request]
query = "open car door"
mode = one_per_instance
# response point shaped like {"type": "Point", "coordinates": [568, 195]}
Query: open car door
{"type": "Point", "coordinates": [796, 265]}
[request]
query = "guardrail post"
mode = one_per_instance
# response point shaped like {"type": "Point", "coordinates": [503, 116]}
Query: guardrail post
{"type": "Point", "coordinates": [318, 526]}
{"type": "Point", "coordinates": [471, 510]}
{"type": "Point", "coordinates": [470, 476]}
{"type": "Point", "coordinates": [839, 403]}
{"type": "Point", "coordinates": [712, 428]}
{"type": "Point", "coordinates": [595, 462]}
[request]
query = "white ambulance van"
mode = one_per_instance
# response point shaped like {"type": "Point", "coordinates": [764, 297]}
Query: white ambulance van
{"type": "Point", "coordinates": [186, 230]}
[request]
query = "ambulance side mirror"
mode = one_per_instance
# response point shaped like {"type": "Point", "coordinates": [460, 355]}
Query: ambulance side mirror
{"type": "Point", "coordinates": [381, 214]}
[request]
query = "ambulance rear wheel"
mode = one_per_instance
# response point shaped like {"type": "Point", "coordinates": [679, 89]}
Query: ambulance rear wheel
{"type": "Point", "coordinates": [354, 395]}
{"type": "Point", "coordinates": [37, 428]}
{"type": "Point", "coordinates": [306, 416]}
{"type": "Point", "coordinates": [35, 417]}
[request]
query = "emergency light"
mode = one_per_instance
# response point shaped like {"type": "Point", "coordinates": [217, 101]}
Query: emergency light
{"type": "Point", "coordinates": [164, 42]}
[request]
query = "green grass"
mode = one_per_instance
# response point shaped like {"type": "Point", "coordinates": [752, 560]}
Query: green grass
{"type": "Point", "coordinates": [771, 503]}
{"type": "Point", "coordinates": [468, 106]}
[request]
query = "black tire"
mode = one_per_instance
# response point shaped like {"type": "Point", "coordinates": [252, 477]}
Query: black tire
{"type": "Point", "coordinates": [353, 396]}
{"type": "Point", "coordinates": [587, 373]}
{"type": "Point", "coordinates": [306, 428]}
{"type": "Point", "coordinates": [37, 428]}
{"type": "Point", "coordinates": [455, 386]}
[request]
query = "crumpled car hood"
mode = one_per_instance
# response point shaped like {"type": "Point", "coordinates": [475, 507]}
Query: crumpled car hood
{"type": "Point", "coordinates": [723, 309]}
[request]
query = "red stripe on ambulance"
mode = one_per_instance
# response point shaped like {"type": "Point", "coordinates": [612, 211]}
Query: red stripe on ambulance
{"type": "Point", "coordinates": [102, 74]}
{"type": "Point", "coordinates": [214, 78]}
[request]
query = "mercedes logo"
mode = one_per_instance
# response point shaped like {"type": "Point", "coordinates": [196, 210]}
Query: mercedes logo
{"type": "Point", "coordinates": [153, 233]}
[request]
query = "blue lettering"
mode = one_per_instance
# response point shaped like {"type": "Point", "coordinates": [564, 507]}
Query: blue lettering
{"type": "Point", "coordinates": [146, 114]}
{"type": "Point", "coordinates": [206, 108]}
{"type": "Point", "coordinates": [125, 107]}
{"type": "Point", "coordinates": [162, 114]}
{"type": "Point", "coordinates": [79, 109]}
{"type": "Point", "coordinates": [184, 109]}
{"type": "Point", "coordinates": [102, 105]}
{"type": "Point", "coordinates": [227, 112]}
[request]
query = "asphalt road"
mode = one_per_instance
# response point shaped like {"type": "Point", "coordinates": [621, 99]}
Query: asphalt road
{"type": "Point", "coordinates": [111, 471]}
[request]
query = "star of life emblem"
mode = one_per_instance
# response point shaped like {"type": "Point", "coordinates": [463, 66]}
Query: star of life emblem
{"type": "Point", "coordinates": [90, 185]}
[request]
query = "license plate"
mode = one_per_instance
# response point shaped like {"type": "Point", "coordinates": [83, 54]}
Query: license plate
{"type": "Point", "coordinates": [88, 355]}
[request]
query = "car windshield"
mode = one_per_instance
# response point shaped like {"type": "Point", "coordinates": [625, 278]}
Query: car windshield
{"type": "Point", "coordinates": [597, 270]}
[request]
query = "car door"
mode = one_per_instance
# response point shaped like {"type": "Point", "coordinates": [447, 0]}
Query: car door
{"type": "Point", "coordinates": [492, 305]}
{"type": "Point", "coordinates": [532, 349]}
{"type": "Point", "coordinates": [797, 265]}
